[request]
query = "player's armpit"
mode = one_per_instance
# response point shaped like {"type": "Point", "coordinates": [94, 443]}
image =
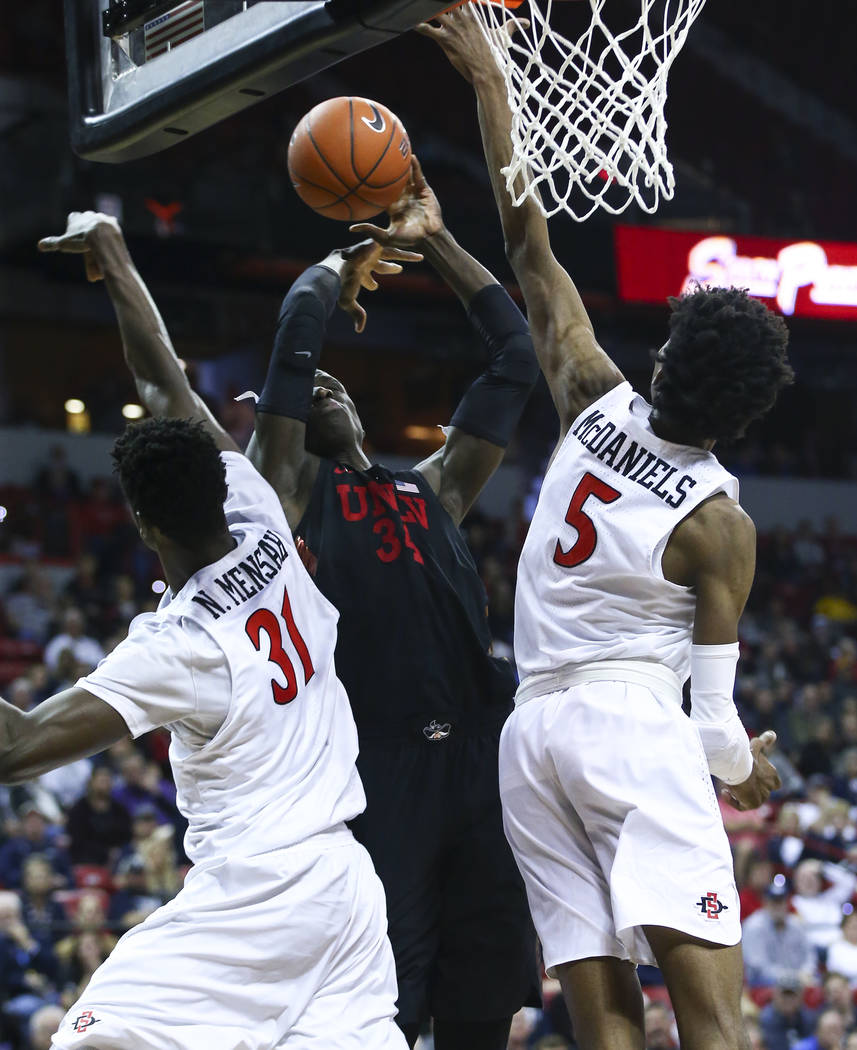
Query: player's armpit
{"type": "Point", "coordinates": [459, 471]}
{"type": "Point", "coordinates": [72, 724]}
{"type": "Point", "coordinates": [277, 451]}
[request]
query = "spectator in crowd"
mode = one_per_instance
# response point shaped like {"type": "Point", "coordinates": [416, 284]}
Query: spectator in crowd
{"type": "Point", "coordinates": [86, 651]}
{"type": "Point", "coordinates": [132, 902]}
{"type": "Point", "coordinates": [43, 1024]}
{"type": "Point", "coordinates": [829, 1033]}
{"type": "Point", "coordinates": [26, 968]}
{"type": "Point", "coordinates": [21, 693]}
{"type": "Point", "coordinates": [522, 1027]}
{"type": "Point", "coordinates": [851, 1041]}
{"type": "Point", "coordinates": [754, 886]}
{"type": "Point", "coordinates": [820, 908]}
{"type": "Point", "coordinates": [660, 1027]}
{"type": "Point", "coordinates": [36, 836]}
{"type": "Point", "coordinates": [158, 854]}
{"type": "Point", "coordinates": [837, 996]}
{"type": "Point", "coordinates": [845, 781]}
{"type": "Point", "coordinates": [86, 592]}
{"type": "Point", "coordinates": [842, 953]}
{"type": "Point", "coordinates": [43, 916]}
{"type": "Point", "coordinates": [775, 943]}
{"type": "Point", "coordinates": [31, 605]}
{"type": "Point", "coordinates": [85, 949]}
{"type": "Point", "coordinates": [67, 783]}
{"type": "Point", "coordinates": [98, 825]}
{"type": "Point", "coordinates": [785, 1019]}
{"type": "Point", "coordinates": [787, 845]}
{"type": "Point", "coordinates": [142, 784]}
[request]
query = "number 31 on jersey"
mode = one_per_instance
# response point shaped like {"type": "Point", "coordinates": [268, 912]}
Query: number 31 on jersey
{"type": "Point", "coordinates": [263, 620]}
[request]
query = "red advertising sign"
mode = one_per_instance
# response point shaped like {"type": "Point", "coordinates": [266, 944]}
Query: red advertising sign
{"type": "Point", "coordinates": [803, 278]}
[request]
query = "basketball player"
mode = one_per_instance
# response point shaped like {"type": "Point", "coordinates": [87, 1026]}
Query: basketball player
{"type": "Point", "coordinates": [278, 938]}
{"type": "Point", "coordinates": [413, 648]}
{"type": "Point", "coordinates": [413, 634]}
{"type": "Point", "coordinates": [633, 575]}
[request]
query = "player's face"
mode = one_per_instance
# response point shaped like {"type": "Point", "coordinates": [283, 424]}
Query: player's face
{"type": "Point", "coordinates": [333, 425]}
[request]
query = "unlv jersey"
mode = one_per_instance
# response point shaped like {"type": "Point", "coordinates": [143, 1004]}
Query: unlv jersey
{"type": "Point", "coordinates": [238, 665]}
{"type": "Point", "coordinates": [414, 639]}
{"type": "Point", "coordinates": [590, 582]}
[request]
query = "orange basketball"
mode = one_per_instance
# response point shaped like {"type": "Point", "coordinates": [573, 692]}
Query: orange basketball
{"type": "Point", "coordinates": [349, 158]}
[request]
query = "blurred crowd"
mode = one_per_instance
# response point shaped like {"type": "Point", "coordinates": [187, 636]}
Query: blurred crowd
{"type": "Point", "coordinates": [89, 850]}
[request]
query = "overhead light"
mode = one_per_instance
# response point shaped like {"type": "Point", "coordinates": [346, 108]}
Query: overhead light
{"type": "Point", "coordinates": [3, 513]}
{"type": "Point", "coordinates": [74, 406]}
{"type": "Point", "coordinates": [132, 411]}
{"type": "Point", "coordinates": [158, 586]}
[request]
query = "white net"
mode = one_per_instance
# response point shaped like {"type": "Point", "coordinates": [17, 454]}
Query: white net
{"type": "Point", "coordinates": [588, 126]}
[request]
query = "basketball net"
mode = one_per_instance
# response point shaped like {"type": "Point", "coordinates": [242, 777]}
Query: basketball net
{"type": "Point", "coordinates": [588, 126]}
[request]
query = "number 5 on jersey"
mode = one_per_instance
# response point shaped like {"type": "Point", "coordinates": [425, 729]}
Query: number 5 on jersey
{"type": "Point", "coordinates": [264, 620]}
{"type": "Point", "coordinates": [587, 537]}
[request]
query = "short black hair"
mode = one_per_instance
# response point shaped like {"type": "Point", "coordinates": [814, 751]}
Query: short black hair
{"type": "Point", "coordinates": [724, 364]}
{"type": "Point", "coordinates": [172, 475]}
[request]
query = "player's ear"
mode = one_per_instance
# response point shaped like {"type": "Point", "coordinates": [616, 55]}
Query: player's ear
{"type": "Point", "coordinates": [149, 534]}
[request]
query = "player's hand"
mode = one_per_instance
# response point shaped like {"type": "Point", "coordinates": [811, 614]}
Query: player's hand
{"type": "Point", "coordinates": [82, 230]}
{"type": "Point", "coordinates": [762, 780]}
{"type": "Point", "coordinates": [415, 215]}
{"type": "Point", "coordinates": [361, 263]}
{"type": "Point", "coordinates": [459, 34]}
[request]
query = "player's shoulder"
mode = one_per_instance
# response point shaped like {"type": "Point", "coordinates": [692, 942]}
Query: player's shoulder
{"type": "Point", "coordinates": [719, 530]}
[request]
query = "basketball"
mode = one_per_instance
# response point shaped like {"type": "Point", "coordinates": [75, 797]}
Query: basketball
{"type": "Point", "coordinates": [349, 158]}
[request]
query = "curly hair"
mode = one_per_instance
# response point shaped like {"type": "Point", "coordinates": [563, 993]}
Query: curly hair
{"type": "Point", "coordinates": [172, 475]}
{"type": "Point", "coordinates": [724, 364]}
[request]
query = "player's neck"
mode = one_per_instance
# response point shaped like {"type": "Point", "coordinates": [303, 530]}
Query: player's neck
{"type": "Point", "coordinates": [180, 563]}
{"type": "Point", "coordinates": [353, 456]}
{"type": "Point", "coordinates": [677, 435]}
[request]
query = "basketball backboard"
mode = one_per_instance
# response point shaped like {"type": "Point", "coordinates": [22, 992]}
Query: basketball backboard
{"type": "Point", "coordinates": [146, 74]}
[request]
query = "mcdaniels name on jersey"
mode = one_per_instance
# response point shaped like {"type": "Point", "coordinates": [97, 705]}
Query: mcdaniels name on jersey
{"type": "Point", "coordinates": [246, 578]}
{"type": "Point", "coordinates": [632, 459]}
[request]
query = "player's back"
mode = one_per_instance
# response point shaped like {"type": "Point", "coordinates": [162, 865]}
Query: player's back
{"type": "Point", "coordinates": [241, 663]}
{"type": "Point", "coordinates": [590, 583]}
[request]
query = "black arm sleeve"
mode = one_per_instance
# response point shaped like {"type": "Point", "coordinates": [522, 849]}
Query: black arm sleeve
{"type": "Point", "coordinates": [493, 405]}
{"type": "Point", "coordinates": [297, 345]}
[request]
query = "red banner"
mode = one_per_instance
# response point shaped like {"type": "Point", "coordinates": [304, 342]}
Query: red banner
{"type": "Point", "coordinates": [800, 278]}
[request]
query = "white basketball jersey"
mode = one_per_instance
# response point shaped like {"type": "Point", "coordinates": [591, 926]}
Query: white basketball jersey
{"type": "Point", "coordinates": [590, 583]}
{"type": "Point", "coordinates": [249, 641]}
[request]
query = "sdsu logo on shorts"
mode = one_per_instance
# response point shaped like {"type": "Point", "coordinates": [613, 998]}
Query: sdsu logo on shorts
{"type": "Point", "coordinates": [710, 906]}
{"type": "Point", "coordinates": [84, 1021]}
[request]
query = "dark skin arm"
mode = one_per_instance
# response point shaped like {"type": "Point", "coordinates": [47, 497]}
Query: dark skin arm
{"type": "Point", "coordinates": [277, 447]}
{"type": "Point", "coordinates": [713, 551]}
{"type": "Point", "coordinates": [577, 370]}
{"type": "Point", "coordinates": [72, 724]}
{"type": "Point", "coordinates": [161, 383]}
{"type": "Point", "coordinates": [460, 469]}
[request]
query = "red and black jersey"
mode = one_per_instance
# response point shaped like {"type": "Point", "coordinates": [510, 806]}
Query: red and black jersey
{"type": "Point", "coordinates": [413, 631]}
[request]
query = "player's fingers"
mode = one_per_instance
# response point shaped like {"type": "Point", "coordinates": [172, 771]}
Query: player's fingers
{"type": "Point", "coordinates": [359, 315]}
{"type": "Point", "coordinates": [417, 173]}
{"type": "Point", "coordinates": [764, 742]}
{"type": "Point", "coordinates": [366, 229]}
{"type": "Point", "coordinates": [730, 798]}
{"type": "Point", "coordinates": [93, 270]}
{"type": "Point", "coordinates": [386, 267]}
{"type": "Point", "coordinates": [426, 29]}
{"type": "Point", "coordinates": [401, 254]}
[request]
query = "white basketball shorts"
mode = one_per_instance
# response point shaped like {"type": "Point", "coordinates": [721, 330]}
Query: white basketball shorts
{"type": "Point", "coordinates": [610, 812]}
{"type": "Point", "coordinates": [287, 950]}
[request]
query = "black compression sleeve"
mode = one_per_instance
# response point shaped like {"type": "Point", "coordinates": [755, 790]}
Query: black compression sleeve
{"type": "Point", "coordinates": [493, 405]}
{"type": "Point", "coordinates": [297, 344]}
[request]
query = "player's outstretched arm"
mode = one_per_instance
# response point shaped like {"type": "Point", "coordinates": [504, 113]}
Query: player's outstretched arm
{"type": "Point", "coordinates": [488, 413]}
{"type": "Point", "coordinates": [161, 383]}
{"type": "Point", "coordinates": [277, 448]}
{"type": "Point", "coordinates": [72, 724]}
{"type": "Point", "coordinates": [577, 370]}
{"type": "Point", "coordinates": [713, 551]}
